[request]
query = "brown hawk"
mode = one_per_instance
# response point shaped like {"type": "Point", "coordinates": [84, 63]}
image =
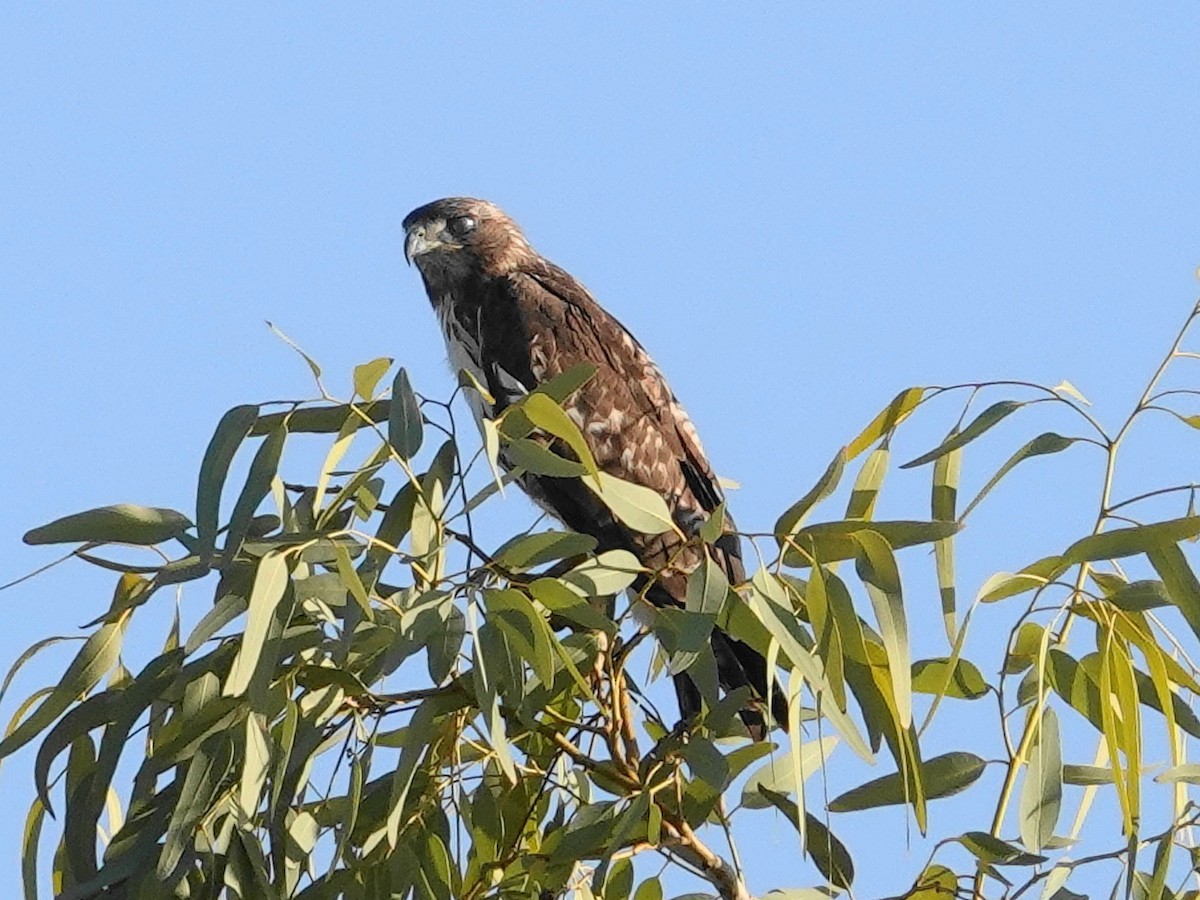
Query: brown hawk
{"type": "Point", "coordinates": [513, 320]}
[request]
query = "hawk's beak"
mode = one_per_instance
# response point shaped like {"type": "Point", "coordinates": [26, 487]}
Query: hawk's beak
{"type": "Point", "coordinates": [415, 243]}
{"type": "Point", "coordinates": [423, 237]}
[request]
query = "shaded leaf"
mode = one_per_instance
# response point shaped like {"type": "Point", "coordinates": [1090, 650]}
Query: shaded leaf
{"type": "Point", "coordinates": [526, 551]}
{"type": "Point", "coordinates": [405, 428]}
{"type": "Point", "coordinates": [97, 655]}
{"type": "Point", "coordinates": [993, 851]}
{"type": "Point", "coordinates": [991, 416]}
{"type": "Point", "coordinates": [1039, 446]}
{"type": "Point", "coordinates": [833, 541]}
{"type": "Point", "coordinates": [231, 431]}
{"type": "Point", "coordinates": [943, 776]}
{"type": "Point", "coordinates": [123, 523]}
{"type": "Point", "coordinates": [826, 485]}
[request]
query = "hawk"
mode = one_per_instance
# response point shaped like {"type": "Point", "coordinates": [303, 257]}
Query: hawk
{"type": "Point", "coordinates": [513, 319]}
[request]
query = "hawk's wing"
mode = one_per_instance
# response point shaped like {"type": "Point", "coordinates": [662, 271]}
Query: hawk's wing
{"type": "Point", "coordinates": [638, 431]}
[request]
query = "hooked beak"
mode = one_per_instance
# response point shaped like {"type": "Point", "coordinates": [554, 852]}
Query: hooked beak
{"type": "Point", "coordinates": [421, 238]}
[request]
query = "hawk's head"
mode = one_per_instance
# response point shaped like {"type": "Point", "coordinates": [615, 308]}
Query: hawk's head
{"type": "Point", "coordinates": [461, 236]}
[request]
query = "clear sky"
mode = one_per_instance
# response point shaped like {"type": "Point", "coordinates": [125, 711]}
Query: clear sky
{"type": "Point", "coordinates": [799, 209]}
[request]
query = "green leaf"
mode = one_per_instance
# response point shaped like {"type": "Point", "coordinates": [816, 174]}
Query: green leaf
{"type": "Point", "coordinates": [231, 431]}
{"type": "Point", "coordinates": [651, 888]}
{"type": "Point", "coordinates": [993, 851]}
{"type": "Point", "coordinates": [324, 419]}
{"type": "Point", "coordinates": [123, 523]}
{"type": "Point", "coordinates": [937, 676]}
{"type": "Point", "coordinates": [525, 628]}
{"type": "Point", "coordinates": [1139, 596]}
{"type": "Point", "coordinates": [636, 505]}
{"type": "Point", "coordinates": [866, 486]}
{"type": "Point", "coordinates": [876, 567]}
{"type": "Point", "coordinates": [779, 775]}
{"type": "Point", "coordinates": [1035, 575]}
{"type": "Point", "coordinates": [270, 582]}
{"type": "Point", "coordinates": [367, 375]}
{"type": "Point", "coordinates": [29, 849]}
{"type": "Point", "coordinates": [534, 456]}
{"type": "Point", "coordinates": [562, 386]}
{"type": "Point", "coordinates": [943, 505]}
{"type": "Point", "coordinates": [204, 779]}
{"type": "Point", "coordinates": [829, 854]}
{"type": "Point", "coordinates": [943, 776]}
{"type": "Point", "coordinates": [833, 541]}
{"type": "Point", "coordinates": [547, 415]}
{"type": "Point", "coordinates": [405, 428]}
{"type": "Point", "coordinates": [97, 655]}
{"type": "Point", "coordinates": [1122, 542]}
{"type": "Point", "coordinates": [794, 516]}
{"type": "Point", "coordinates": [1188, 773]}
{"type": "Point", "coordinates": [707, 588]}
{"type": "Point", "coordinates": [258, 483]}
{"type": "Point", "coordinates": [1039, 446]}
{"type": "Point", "coordinates": [606, 573]}
{"type": "Point", "coordinates": [442, 649]}
{"type": "Point", "coordinates": [527, 551]}
{"type": "Point", "coordinates": [991, 416]}
{"type": "Point", "coordinates": [1041, 793]}
{"type": "Point", "coordinates": [1087, 775]}
{"type": "Point", "coordinates": [562, 601]}
{"type": "Point", "coordinates": [891, 416]}
{"type": "Point", "coordinates": [1180, 581]}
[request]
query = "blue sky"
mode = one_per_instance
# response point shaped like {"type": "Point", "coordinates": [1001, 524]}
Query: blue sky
{"type": "Point", "coordinates": [799, 209]}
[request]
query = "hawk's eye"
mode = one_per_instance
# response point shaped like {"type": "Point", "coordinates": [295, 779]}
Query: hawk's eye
{"type": "Point", "coordinates": [461, 226]}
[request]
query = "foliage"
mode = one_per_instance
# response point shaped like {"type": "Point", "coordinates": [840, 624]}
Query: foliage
{"type": "Point", "coordinates": [374, 705]}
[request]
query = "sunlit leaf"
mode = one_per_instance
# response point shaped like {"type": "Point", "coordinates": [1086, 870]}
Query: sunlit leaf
{"type": "Point", "coordinates": [943, 507]}
{"type": "Point", "coordinates": [636, 505]}
{"type": "Point", "coordinates": [534, 456]}
{"type": "Point", "coordinates": [867, 485]}
{"type": "Point", "coordinates": [779, 774]}
{"type": "Point", "coordinates": [876, 567]}
{"type": "Point", "coordinates": [270, 582]}
{"type": "Point", "coordinates": [937, 676]}
{"type": "Point", "coordinates": [547, 415]}
{"type": "Point", "coordinates": [367, 375]}
{"type": "Point", "coordinates": [1041, 793]}
{"type": "Point", "coordinates": [891, 416]}
{"type": "Point", "coordinates": [560, 387]}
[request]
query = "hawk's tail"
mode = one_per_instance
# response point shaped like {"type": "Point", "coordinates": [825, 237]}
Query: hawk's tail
{"type": "Point", "coordinates": [738, 665]}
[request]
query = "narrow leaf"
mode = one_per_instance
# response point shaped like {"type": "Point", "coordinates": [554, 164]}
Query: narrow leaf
{"type": "Point", "coordinates": [405, 428]}
{"type": "Point", "coordinates": [231, 431]}
{"type": "Point", "coordinates": [991, 416]}
{"type": "Point", "coordinates": [943, 775]}
{"type": "Point", "coordinates": [1041, 793]}
{"type": "Point", "coordinates": [123, 523]}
